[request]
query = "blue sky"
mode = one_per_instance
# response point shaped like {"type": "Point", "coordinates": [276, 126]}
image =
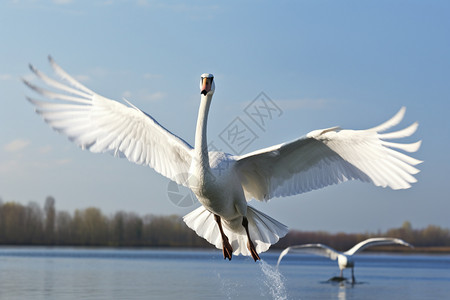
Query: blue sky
{"type": "Point", "coordinates": [323, 63]}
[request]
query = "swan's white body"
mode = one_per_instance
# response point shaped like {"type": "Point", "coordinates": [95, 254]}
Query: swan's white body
{"type": "Point", "coordinates": [224, 183]}
{"type": "Point", "coordinates": [344, 259]}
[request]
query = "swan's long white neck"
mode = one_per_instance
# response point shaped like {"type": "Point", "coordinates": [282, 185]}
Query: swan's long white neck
{"type": "Point", "coordinates": [201, 158]}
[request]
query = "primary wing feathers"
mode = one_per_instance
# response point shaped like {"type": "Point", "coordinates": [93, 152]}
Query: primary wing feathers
{"type": "Point", "coordinates": [99, 124]}
{"type": "Point", "coordinates": [330, 156]}
{"type": "Point", "coordinates": [316, 249]}
{"type": "Point", "coordinates": [375, 242]}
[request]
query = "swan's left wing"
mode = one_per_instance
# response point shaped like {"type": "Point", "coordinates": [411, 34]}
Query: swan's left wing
{"type": "Point", "coordinates": [330, 156]}
{"type": "Point", "coordinates": [317, 249]}
{"type": "Point", "coordinates": [376, 242]}
{"type": "Point", "coordinates": [99, 124]}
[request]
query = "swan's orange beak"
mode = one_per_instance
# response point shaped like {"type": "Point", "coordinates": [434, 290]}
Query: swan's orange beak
{"type": "Point", "coordinates": [206, 86]}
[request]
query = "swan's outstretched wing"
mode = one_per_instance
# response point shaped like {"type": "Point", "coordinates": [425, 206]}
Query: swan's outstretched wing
{"type": "Point", "coordinates": [99, 124]}
{"type": "Point", "coordinates": [317, 249]}
{"type": "Point", "coordinates": [330, 156]}
{"type": "Point", "coordinates": [375, 242]}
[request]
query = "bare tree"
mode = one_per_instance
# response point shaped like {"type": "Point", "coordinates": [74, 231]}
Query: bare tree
{"type": "Point", "coordinates": [50, 214]}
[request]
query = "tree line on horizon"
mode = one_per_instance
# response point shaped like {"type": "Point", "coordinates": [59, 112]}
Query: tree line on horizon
{"type": "Point", "coordinates": [45, 226]}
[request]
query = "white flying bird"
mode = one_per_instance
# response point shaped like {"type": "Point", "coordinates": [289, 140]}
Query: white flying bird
{"type": "Point", "coordinates": [345, 259]}
{"type": "Point", "coordinates": [224, 183]}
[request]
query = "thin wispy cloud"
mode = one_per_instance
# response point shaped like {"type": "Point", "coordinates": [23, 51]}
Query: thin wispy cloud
{"type": "Point", "coordinates": [4, 77]}
{"type": "Point", "coordinates": [61, 6]}
{"type": "Point", "coordinates": [82, 78]}
{"type": "Point", "coordinates": [152, 76]}
{"type": "Point", "coordinates": [16, 145]}
{"type": "Point", "coordinates": [63, 2]}
{"type": "Point", "coordinates": [303, 104]}
{"type": "Point", "coordinates": [50, 163]}
{"type": "Point", "coordinates": [45, 149]}
{"type": "Point", "coordinates": [9, 166]}
{"type": "Point", "coordinates": [190, 10]}
{"type": "Point", "coordinates": [62, 161]}
{"type": "Point", "coordinates": [143, 95]}
{"type": "Point", "coordinates": [22, 167]}
{"type": "Point", "coordinates": [142, 3]}
{"type": "Point", "coordinates": [99, 72]}
{"type": "Point", "coordinates": [294, 104]}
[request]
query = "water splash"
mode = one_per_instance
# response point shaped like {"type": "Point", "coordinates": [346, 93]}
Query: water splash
{"type": "Point", "coordinates": [229, 287]}
{"type": "Point", "coordinates": [274, 281]}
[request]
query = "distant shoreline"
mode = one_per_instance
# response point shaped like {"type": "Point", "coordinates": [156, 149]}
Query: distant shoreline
{"type": "Point", "coordinates": [415, 250]}
{"type": "Point", "coordinates": [33, 225]}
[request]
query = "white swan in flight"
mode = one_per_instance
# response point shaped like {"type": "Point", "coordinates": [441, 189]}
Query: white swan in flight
{"type": "Point", "coordinates": [345, 259]}
{"type": "Point", "coordinates": [224, 183]}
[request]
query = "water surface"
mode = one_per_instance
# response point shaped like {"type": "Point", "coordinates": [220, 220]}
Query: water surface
{"type": "Point", "coordinates": [74, 273]}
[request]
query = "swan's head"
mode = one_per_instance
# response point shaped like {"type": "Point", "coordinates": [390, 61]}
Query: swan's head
{"type": "Point", "coordinates": [207, 85]}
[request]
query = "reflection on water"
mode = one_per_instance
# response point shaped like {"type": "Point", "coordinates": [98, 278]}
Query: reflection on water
{"type": "Point", "coordinates": [341, 292]}
{"type": "Point", "coordinates": [61, 273]}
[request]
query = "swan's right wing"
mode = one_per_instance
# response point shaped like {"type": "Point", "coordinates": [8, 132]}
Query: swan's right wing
{"type": "Point", "coordinates": [376, 242]}
{"type": "Point", "coordinates": [317, 249]}
{"type": "Point", "coordinates": [330, 156]}
{"type": "Point", "coordinates": [99, 124]}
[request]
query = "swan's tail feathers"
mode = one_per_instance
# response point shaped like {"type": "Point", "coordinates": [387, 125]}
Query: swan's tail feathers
{"type": "Point", "coordinates": [202, 222]}
{"type": "Point", "coordinates": [264, 230]}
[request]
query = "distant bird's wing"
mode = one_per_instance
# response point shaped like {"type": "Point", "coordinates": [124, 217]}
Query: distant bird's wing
{"type": "Point", "coordinates": [99, 124]}
{"type": "Point", "coordinates": [375, 242]}
{"type": "Point", "coordinates": [330, 156]}
{"type": "Point", "coordinates": [317, 249]}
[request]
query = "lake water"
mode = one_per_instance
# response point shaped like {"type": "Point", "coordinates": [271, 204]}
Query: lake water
{"type": "Point", "coordinates": [73, 273]}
